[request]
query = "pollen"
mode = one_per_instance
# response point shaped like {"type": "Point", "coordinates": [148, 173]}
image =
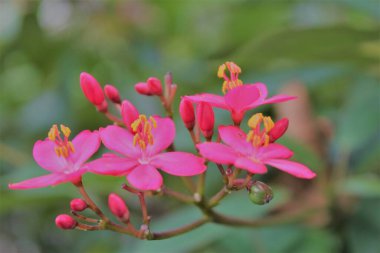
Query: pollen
{"type": "Point", "coordinates": [260, 126]}
{"type": "Point", "coordinates": [232, 81]}
{"type": "Point", "coordinates": [63, 147]}
{"type": "Point", "coordinates": [142, 129]}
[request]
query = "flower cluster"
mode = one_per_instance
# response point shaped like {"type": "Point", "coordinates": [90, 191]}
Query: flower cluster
{"type": "Point", "coordinates": [141, 146]}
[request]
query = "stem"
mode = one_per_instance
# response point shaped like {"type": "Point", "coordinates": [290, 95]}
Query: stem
{"type": "Point", "coordinates": [219, 196]}
{"type": "Point", "coordinates": [193, 137]}
{"type": "Point", "coordinates": [167, 107]}
{"type": "Point", "coordinates": [89, 201]}
{"type": "Point", "coordinates": [144, 208]}
{"type": "Point", "coordinates": [177, 195]}
{"type": "Point", "coordinates": [179, 231]}
{"type": "Point", "coordinates": [84, 218]}
{"type": "Point", "coordinates": [201, 184]}
{"type": "Point", "coordinates": [114, 118]}
{"type": "Point", "coordinates": [223, 172]}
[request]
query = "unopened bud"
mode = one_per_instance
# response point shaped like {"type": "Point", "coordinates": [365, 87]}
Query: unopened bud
{"type": "Point", "coordinates": [260, 193]}
{"type": "Point", "coordinates": [91, 89]}
{"type": "Point", "coordinates": [64, 221]}
{"type": "Point", "coordinates": [103, 107]}
{"type": "Point", "coordinates": [155, 86]}
{"type": "Point", "coordinates": [278, 130]}
{"type": "Point", "coordinates": [129, 113]}
{"type": "Point", "coordinates": [205, 119]}
{"type": "Point", "coordinates": [112, 93]}
{"type": "Point", "coordinates": [78, 205]}
{"type": "Point", "coordinates": [118, 207]}
{"type": "Point", "coordinates": [143, 89]}
{"type": "Point", "coordinates": [186, 110]}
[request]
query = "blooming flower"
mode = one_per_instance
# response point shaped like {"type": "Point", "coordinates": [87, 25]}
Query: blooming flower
{"type": "Point", "coordinates": [253, 151]}
{"type": "Point", "coordinates": [63, 158]}
{"type": "Point", "coordinates": [140, 153]}
{"type": "Point", "coordinates": [238, 97]}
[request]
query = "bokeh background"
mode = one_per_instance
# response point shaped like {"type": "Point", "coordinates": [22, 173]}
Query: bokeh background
{"type": "Point", "coordinates": [325, 52]}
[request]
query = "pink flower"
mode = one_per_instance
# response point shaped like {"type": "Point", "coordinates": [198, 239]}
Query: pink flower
{"type": "Point", "coordinates": [63, 158]}
{"type": "Point", "coordinates": [253, 151]}
{"type": "Point", "coordinates": [238, 97]}
{"type": "Point", "coordinates": [140, 153]}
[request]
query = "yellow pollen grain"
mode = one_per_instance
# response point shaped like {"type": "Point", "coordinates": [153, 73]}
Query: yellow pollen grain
{"type": "Point", "coordinates": [221, 70]}
{"type": "Point", "coordinates": [65, 130]}
{"type": "Point", "coordinates": [255, 120]}
{"type": "Point", "coordinates": [268, 124]}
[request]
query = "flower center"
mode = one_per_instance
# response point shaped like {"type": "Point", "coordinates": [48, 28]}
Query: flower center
{"type": "Point", "coordinates": [233, 80]}
{"type": "Point", "coordinates": [63, 147]}
{"type": "Point", "coordinates": [142, 129]}
{"type": "Point", "coordinates": [259, 136]}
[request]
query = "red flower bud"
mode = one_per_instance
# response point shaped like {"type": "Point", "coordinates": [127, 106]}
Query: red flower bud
{"type": "Point", "coordinates": [112, 93]}
{"type": "Point", "coordinates": [143, 89]}
{"type": "Point", "coordinates": [78, 205]}
{"type": "Point", "coordinates": [91, 89]}
{"type": "Point", "coordinates": [279, 129]}
{"type": "Point", "coordinates": [186, 110]}
{"type": "Point", "coordinates": [118, 207]}
{"type": "Point", "coordinates": [103, 107]}
{"type": "Point", "coordinates": [64, 221]}
{"type": "Point", "coordinates": [205, 118]}
{"type": "Point", "coordinates": [129, 113]}
{"type": "Point", "coordinates": [155, 86]}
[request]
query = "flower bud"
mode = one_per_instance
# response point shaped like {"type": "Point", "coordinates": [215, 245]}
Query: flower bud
{"type": "Point", "coordinates": [118, 207]}
{"type": "Point", "coordinates": [129, 113]}
{"type": "Point", "coordinates": [186, 110]}
{"type": "Point", "coordinates": [64, 221]}
{"type": "Point", "coordinates": [205, 118]}
{"type": "Point", "coordinates": [279, 129]}
{"type": "Point", "coordinates": [143, 89]}
{"type": "Point", "coordinates": [103, 107]}
{"type": "Point", "coordinates": [155, 86]}
{"type": "Point", "coordinates": [260, 193]}
{"type": "Point", "coordinates": [112, 93]}
{"type": "Point", "coordinates": [91, 89]}
{"type": "Point", "coordinates": [78, 205]}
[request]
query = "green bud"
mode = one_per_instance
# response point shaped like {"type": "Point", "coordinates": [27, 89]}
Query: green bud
{"type": "Point", "coordinates": [260, 193]}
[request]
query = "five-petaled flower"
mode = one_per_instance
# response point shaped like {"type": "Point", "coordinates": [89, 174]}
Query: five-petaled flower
{"type": "Point", "coordinates": [141, 154]}
{"type": "Point", "coordinates": [63, 158]}
{"type": "Point", "coordinates": [238, 97]}
{"type": "Point", "coordinates": [253, 151]}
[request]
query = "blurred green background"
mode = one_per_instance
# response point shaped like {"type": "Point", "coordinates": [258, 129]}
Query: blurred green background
{"type": "Point", "coordinates": [328, 52]}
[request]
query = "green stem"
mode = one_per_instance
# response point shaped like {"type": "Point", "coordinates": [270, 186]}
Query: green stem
{"type": "Point", "coordinates": [178, 195]}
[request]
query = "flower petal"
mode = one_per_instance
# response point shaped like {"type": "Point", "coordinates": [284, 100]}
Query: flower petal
{"type": "Point", "coordinates": [250, 166]}
{"type": "Point", "coordinates": [163, 135]}
{"type": "Point", "coordinates": [120, 140]}
{"type": "Point", "coordinates": [111, 164]}
{"type": "Point", "coordinates": [262, 90]}
{"type": "Point", "coordinates": [86, 143]}
{"type": "Point", "coordinates": [273, 151]}
{"type": "Point", "coordinates": [214, 100]}
{"type": "Point", "coordinates": [43, 181]}
{"type": "Point", "coordinates": [293, 168]}
{"type": "Point", "coordinates": [145, 177]}
{"type": "Point", "coordinates": [278, 99]}
{"type": "Point", "coordinates": [235, 138]}
{"type": "Point", "coordinates": [179, 163]}
{"type": "Point", "coordinates": [45, 156]}
{"type": "Point", "coordinates": [239, 98]}
{"type": "Point", "coordinates": [217, 152]}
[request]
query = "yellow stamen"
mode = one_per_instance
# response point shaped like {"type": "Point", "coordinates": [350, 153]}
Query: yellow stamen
{"type": "Point", "coordinates": [142, 128]}
{"type": "Point", "coordinates": [268, 123]}
{"type": "Point", "coordinates": [257, 136]}
{"type": "Point", "coordinates": [255, 120]}
{"type": "Point", "coordinates": [63, 147]}
{"type": "Point", "coordinates": [230, 82]}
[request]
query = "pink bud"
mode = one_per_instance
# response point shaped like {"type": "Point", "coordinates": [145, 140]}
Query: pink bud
{"type": "Point", "coordinates": [112, 93]}
{"type": "Point", "coordinates": [91, 88]}
{"type": "Point", "coordinates": [205, 118]}
{"type": "Point", "coordinates": [279, 129]}
{"type": "Point", "coordinates": [103, 107]}
{"type": "Point", "coordinates": [78, 205]}
{"type": "Point", "coordinates": [143, 89]}
{"type": "Point", "coordinates": [129, 113]}
{"type": "Point", "coordinates": [186, 110]}
{"type": "Point", "coordinates": [64, 221]}
{"type": "Point", "coordinates": [155, 86]}
{"type": "Point", "coordinates": [118, 207]}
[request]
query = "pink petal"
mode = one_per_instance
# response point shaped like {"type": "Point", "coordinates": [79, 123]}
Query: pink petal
{"type": "Point", "coordinates": [45, 156]}
{"type": "Point", "coordinates": [163, 135]}
{"type": "Point", "coordinates": [145, 177]}
{"type": "Point", "coordinates": [120, 140]}
{"type": "Point", "coordinates": [179, 163]}
{"type": "Point", "coordinates": [86, 143]}
{"type": "Point", "coordinates": [217, 152]}
{"type": "Point", "coordinates": [273, 151]}
{"type": "Point", "coordinates": [214, 100]}
{"type": "Point", "coordinates": [262, 90]}
{"type": "Point", "coordinates": [293, 168]}
{"type": "Point", "coordinates": [239, 98]}
{"type": "Point", "coordinates": [250, 165]}
{"type": "Point", "coordinates": [42, 181]}
{"type": "Point", "coordinates": [111, 164]}
{"type": "Point", "coordinates": [278, 99]}
{"type": "Point", "coordinates": [235, 138]}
